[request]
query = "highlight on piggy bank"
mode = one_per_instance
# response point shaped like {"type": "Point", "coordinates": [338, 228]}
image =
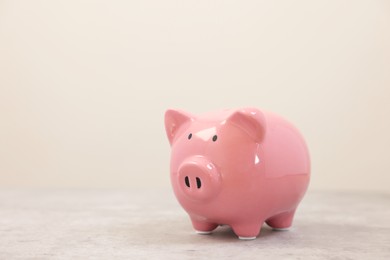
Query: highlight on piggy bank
{"type": "Point", "coordinates": [238, 167]}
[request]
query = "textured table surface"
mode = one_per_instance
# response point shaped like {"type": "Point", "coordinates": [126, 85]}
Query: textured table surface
{"type": "Point", "coordinates": [90, 224]}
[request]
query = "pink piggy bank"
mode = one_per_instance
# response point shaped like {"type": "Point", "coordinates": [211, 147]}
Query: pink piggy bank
{"type": "Point", "coordinates": [238, 167]}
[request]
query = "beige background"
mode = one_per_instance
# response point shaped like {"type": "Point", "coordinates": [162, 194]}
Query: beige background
{"type": "Point", "coordinates": [84, 85]}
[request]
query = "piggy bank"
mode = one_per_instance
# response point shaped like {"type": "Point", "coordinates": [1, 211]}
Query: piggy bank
{"type": "Point", "coordinates": [239, 167]}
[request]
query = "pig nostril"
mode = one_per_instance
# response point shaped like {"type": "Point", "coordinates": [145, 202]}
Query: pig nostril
{"type": "Point", "coordinates": [198, 183]}
{"type": "Point", "coordinates": [187, 181]}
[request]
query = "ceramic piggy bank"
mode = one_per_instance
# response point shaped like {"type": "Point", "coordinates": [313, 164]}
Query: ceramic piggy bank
{"type": "Point", "coordinates": [239, 167]}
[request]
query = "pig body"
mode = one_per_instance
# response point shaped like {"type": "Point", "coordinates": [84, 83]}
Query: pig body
{"type": "Point", "coordinates": [240, 167]}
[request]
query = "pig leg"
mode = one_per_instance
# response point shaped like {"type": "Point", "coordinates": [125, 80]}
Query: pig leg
{"type": "Point", "coordinates": [203, 227]}
{"type": "Point", "coordinates": [247, 230]}
{"type": "Point", "coordinates": [281, 221]}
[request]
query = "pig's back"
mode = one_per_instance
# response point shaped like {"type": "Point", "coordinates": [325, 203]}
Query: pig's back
{"type": "Point", "coordinates": [285, 149]}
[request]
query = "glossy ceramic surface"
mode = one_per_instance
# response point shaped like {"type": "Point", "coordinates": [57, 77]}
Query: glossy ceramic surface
{"type": "Point", "coordinates": [239, 167]}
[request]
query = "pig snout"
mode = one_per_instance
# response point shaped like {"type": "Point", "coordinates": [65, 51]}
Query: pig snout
{"type": "Point", "coordinates": [198, 178]}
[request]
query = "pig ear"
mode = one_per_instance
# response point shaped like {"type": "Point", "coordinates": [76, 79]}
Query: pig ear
{"type": "Point", "coordinates": [251, 120]}
{"type": "Point", "coordinates": [174, 119]}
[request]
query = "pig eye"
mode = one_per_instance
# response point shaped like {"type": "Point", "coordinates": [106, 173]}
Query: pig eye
{"type": "Point", "coordinates": [189, 136]}
{"type": "Point", "coordinates": [215, 137]}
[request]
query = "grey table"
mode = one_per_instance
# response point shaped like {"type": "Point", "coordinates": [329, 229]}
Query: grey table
{"type": "Point", "coordinates": [139, 224]}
